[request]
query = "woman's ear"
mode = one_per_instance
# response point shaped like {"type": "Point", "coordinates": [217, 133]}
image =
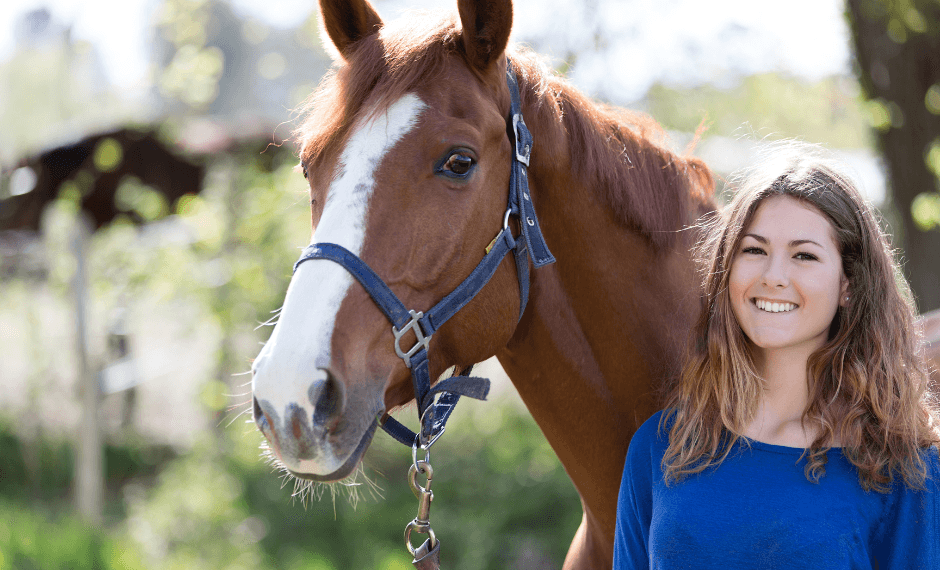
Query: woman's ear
{"type": "Point", "coordinates": [844, 295]}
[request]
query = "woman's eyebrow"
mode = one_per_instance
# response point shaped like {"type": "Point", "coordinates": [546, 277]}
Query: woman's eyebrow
{"type": "Point", "coordinates": [793, 243]}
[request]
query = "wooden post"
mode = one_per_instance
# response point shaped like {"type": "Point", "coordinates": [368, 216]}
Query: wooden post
{"type": "Point", "coordinates": [89, 472]}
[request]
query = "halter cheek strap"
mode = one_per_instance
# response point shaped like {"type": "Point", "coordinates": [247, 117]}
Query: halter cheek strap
{"type": "Point", "coordinates": [520, 201]}
{"type": "Point", "coordinates": [434, 414]}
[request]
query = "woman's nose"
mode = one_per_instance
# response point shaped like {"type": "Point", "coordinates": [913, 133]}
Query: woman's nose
{"type": "Point", "coordinates": [776, 272]}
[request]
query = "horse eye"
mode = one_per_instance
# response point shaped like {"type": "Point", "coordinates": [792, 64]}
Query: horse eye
{"type": "Point", "coordinates": [459, 164]}
{"type": "Point", "coordinates": [305, 170]}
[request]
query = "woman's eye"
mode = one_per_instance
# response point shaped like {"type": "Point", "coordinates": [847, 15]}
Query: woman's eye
{"type": "Point", "coordinates": [458, 164]}
{"type": "Point", "coordinates": [806, 256]}
{"type": "Point", "coordinates": [752, 249]}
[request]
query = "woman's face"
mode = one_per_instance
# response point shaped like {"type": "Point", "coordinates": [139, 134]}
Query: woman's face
{"type": "Point", "coordinates": [786, 281]}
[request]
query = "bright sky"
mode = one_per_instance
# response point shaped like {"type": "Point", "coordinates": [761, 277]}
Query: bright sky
{"type": "Point", "coordinates": [677, 41]}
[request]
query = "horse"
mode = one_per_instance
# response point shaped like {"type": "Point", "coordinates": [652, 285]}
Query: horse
{"type": "Point", "coordinates": [406, 146]}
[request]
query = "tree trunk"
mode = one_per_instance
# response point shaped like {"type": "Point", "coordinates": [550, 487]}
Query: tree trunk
{"type": "Point", "coordinates": [897, 49]}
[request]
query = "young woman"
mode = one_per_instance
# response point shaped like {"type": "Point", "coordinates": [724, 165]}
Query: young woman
{"type": "Point", "coordinates": [801, 434]}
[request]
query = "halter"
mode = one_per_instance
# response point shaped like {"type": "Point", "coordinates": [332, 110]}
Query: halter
{"type": "Point", "coordinates": [434, 414]}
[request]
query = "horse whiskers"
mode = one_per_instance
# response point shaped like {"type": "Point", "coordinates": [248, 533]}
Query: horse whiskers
{"type": "Point", "coordinates": [248, 383]}
{"type": "Point", "coordinates": [306, 491]}
{"type": "Point", "coordinates": [232, 408]}
{"type": "Point", "coordinates": [242, 395]}
{"type": "Point", "coordinates": [272, 321]}
{"type": "Point", "coordinates": [351, 486]}
{"type": "Point", "coordinates": [235, 417]}
{"type": "Point", "coordinates": [268, 323]}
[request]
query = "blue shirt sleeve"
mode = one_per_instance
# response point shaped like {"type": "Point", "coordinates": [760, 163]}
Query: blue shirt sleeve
{"type": "Point", "coordinates": [910, 535]}
{"type": "Point", "coordinates": [635, 503]}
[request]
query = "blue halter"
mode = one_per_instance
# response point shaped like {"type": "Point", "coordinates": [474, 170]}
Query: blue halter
{"type": "Point", "coordinates": [434, 414]}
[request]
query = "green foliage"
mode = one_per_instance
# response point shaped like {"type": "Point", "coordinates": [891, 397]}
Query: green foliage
{"type": "Point", "coordinates": [828, 111]}
{"type": "Point", "coordinates": [500, 497]}
{"type": "Point", "coordinates": [49, 475]}
{"type": "Point", "coordinates": [192, 76]}
{"type": "Point", "coordinates": [33, 539]}
{"type": "Point", "coordinates": [133, 196]}
{"type": "Point", "coordinates": [925, 210]}
{"type": "Point", "coordinates": [903, 18]}
{"type": "Point", "coordinates": [108, 155]}
{"type": "Point", "coordinates": [932, 99]}
{"type": "Point", "coordinates": [193, 71]}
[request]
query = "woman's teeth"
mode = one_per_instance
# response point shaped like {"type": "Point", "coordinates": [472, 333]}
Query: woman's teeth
{"type": "Point", "coordinates": [774, 307]}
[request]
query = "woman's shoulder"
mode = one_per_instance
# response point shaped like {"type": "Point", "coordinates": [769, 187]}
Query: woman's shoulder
{"type": "Point", "coordinates": [645, 454]}
{"type": "Point", "coordinates": [653, 433]}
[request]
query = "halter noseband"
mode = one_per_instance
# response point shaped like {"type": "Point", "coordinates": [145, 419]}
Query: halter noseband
{"type": "Point", "coordinates": [433, 415]}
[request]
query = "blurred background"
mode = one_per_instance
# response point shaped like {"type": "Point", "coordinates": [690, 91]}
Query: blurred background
{"type": "Point", "coordinates": [150, 215]}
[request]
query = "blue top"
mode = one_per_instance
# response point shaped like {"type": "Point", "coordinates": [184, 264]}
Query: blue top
{"type": "Point", "coordinates": [757, 510]}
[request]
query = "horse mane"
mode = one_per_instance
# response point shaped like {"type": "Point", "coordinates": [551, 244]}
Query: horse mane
{"type": "Point", "coordinates": [620, 154]}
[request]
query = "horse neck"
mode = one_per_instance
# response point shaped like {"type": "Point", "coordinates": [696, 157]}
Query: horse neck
{"type": "Point", "coordinates": [604, 329]}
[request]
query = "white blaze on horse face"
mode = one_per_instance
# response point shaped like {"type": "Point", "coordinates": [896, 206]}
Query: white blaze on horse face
{"type": "Point", "coordinates": [289, 366]}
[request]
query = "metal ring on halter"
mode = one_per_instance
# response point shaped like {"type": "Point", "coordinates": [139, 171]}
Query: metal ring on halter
{"type": "Point", "coordinates": [414, 452]}
{"type": "Point", "coordinates": [506, 218]}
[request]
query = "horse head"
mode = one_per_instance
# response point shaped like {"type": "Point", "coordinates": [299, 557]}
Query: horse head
{"type": "Point", "coordinates": [406, 152]}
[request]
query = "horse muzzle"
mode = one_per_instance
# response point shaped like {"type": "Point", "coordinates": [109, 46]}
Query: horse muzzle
{"type": "Point", "coordinates": [309, 433]}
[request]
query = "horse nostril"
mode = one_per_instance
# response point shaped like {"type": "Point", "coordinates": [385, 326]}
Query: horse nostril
{"type": "Point", "coordinates": [256, 412]}
{"type": "Point", "coordinates": [329, 402]}
{"type": "Point", "coordinates": [264, 422]}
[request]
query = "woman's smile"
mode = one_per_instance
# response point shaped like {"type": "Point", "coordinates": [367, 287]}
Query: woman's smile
{"type": "Point", "coordinates": [774, 306]}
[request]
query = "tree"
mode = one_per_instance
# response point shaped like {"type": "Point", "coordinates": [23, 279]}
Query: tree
{"type": "Point", "coordinates": [897, 47]}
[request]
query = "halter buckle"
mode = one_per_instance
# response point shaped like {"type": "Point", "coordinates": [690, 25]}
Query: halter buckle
{"type": "Point", "coordinates": [422, 341]}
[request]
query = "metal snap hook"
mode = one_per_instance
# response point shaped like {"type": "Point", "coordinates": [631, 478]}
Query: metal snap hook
{"type": "Point", "coordinates": [421, 522]}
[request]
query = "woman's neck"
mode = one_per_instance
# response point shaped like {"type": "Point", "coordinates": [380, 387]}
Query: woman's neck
{"type": "Point", "coordinates": [785, 397]}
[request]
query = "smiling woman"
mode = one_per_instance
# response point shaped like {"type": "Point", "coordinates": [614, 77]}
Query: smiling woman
{"type": "Point", "coordinates": [806, 389]}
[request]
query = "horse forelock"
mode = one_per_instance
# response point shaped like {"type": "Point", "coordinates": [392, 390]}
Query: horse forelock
{"type": "Point", "coordinates": [375, 72]}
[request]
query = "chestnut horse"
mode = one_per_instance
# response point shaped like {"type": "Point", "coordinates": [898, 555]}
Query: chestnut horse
{"type": "Point", "coordinates": [406, 150]}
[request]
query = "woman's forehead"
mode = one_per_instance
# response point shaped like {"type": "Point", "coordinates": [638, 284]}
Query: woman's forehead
{"type": "Point", "coordinates": [789, 219]}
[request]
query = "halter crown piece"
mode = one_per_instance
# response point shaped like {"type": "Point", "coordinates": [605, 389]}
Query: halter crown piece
{"type": "Point", "coordinates": [434, 414]}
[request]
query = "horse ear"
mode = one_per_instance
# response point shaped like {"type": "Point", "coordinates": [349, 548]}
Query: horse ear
{"type": "Point", "coordinates": [348, 21]}
{"type": "Point", "coordinates": [486, 26]}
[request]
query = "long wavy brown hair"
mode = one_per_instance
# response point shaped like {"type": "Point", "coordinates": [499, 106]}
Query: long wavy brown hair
{"type": "Point", "coordinates": [868, 384]}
